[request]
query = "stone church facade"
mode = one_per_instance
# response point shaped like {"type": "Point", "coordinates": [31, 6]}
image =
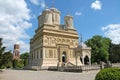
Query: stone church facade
{"type": "Point", "coordinates": [53, 44]}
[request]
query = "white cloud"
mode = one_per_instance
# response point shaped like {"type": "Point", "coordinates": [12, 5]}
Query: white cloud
{"type": "Point", "coordinates": [42, 4]}
{"type": "Point", "coordinates": [36, 2]}
{"type": "Point", "coordinates": [39, 3]}
{"type": "Point", "coordinates": [78, 13]}
{"type": "Point", "coordinates": [14, 21]}
{"type": "Point", "coordinates": [97, 5]}
{"type": "Point", "coordinates": [112, 31]}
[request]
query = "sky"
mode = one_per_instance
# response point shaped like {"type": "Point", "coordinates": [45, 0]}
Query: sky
{"type": "Point", "coordinates": [18, 19]}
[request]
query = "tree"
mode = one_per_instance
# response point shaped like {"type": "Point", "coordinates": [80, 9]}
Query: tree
{"type": "Point", "coordinates": [7, 59]}
{"type": "Point", "coordinates": [114, 55]}
{"type": "Point", "coordinates": [24, 57]}
{"type": "Point", "coordinates": [100, 48]}
{"type": "Point", "coordinates": [2, 49]}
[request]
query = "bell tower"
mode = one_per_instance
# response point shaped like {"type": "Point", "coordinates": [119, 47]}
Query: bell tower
{"type": "Point", "coordinates": [50, 17]}
{"type": "Point", "coordinates": [45, 18]}
{"type": "Point", "coordinates": [16, 52]}
{"type": "Point", "coordinates": [69, 22]}
{"type": "Point", "coordinates": [55, 16]}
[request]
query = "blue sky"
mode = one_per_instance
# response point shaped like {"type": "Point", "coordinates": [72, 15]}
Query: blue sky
{"type": "Point", "coordinates": [91, 17]}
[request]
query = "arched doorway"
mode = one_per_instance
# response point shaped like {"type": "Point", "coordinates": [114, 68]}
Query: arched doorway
{"type": "Point", "coordinates": [86, 60]}
{"type": "Point", "coordinates": [64, 57]}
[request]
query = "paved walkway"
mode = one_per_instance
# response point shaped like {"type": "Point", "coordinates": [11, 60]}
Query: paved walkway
{"type": "Point", "coordinates": [46, 75]}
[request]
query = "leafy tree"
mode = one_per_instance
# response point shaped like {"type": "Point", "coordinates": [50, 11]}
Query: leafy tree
{"type": "Point", "coordinates": [2, 49]}
{"type": "Point", "coordinates": [100, 47]}
{"type": "Point", "coordinates": [7, 59]}
{"type": "Point", "coordinates": [24, 57]}
{"type": "Point", "coordinates": [114, 55]}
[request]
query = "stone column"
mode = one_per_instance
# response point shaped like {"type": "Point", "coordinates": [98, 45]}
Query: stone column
{"type": "Point", "coordinates": [35, 55]}
{"type": "Point", "coordinates": [76, 58]}
{"type": "Point", "coordinates": [67, 56]}
{"type": "Point", "coordinates": [39, 54]}
{"type": "Point", "coordinates": [60, 56]}
{"type": "Point", "coordinates": [43, 53]}
{"type": "Point", "coordinates": [90, 61]}
{"type": "Point", "coordinates": [83, 60]}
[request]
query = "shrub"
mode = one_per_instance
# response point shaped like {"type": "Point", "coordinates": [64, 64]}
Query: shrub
{"type": "Point", "coordinates": [8, 64]}
{"type": "Point", "coordinates": [3, 67]}
{"type": "Point", "coordinates": [25, 62]}
{"type": "Point", "coordinates": [17, 64]}
{"type": "Point", "coordinates": [108, 74]}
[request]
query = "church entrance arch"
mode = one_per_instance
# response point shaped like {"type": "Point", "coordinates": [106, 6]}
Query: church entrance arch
{"type": "Point", "coordinates": [64, 57]}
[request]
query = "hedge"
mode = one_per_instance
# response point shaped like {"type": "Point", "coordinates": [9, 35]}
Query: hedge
{"type": "Point", "coordinates": [108, 74]}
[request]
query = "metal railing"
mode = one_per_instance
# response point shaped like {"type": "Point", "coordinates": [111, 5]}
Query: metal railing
{"type": "Point", "coordinates": [116, 65]}
{"type": "Point", "coordinates": [90, 67]}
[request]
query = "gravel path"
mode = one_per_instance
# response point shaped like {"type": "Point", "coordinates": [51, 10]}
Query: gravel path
{"type": "Point", "coordinates": [46, 75]}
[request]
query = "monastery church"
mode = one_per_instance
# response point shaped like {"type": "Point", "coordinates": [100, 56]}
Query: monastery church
{"type": "Point", "coordinates": [56, 45]}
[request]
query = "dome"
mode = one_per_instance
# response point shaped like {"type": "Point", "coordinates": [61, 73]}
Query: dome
{"type": "Point", "coordinates": [69, 16]}
{"type": "Point", "coordinates": [82, 45]}
{"type": "Point", "coordinates": [55, 9]}
{"type": "Point", "coordinates": [46, 9]}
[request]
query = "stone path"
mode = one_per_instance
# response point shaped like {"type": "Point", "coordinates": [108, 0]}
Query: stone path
{"type": "Point", "coordinates": [46, 75]}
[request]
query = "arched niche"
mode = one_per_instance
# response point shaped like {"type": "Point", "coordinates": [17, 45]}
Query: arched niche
{"type": "Point", "coordinates": [64, 57]}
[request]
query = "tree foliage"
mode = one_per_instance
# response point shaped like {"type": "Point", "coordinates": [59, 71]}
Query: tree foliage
{"type": "Point", "coordinates": [114, 55]}
{"type": "Point", "coordinates": [22, 62]}
{"type": "Point", "coordinates": [100, 48]}
{"type": "Point", "coordinates": [1, 52]}
{"type": "Point", "coordinates": [24, 57]}
{"type": "Point", "coordinates": [7, 59]}
{"type": "Point", "coordinates": [18, 63]}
